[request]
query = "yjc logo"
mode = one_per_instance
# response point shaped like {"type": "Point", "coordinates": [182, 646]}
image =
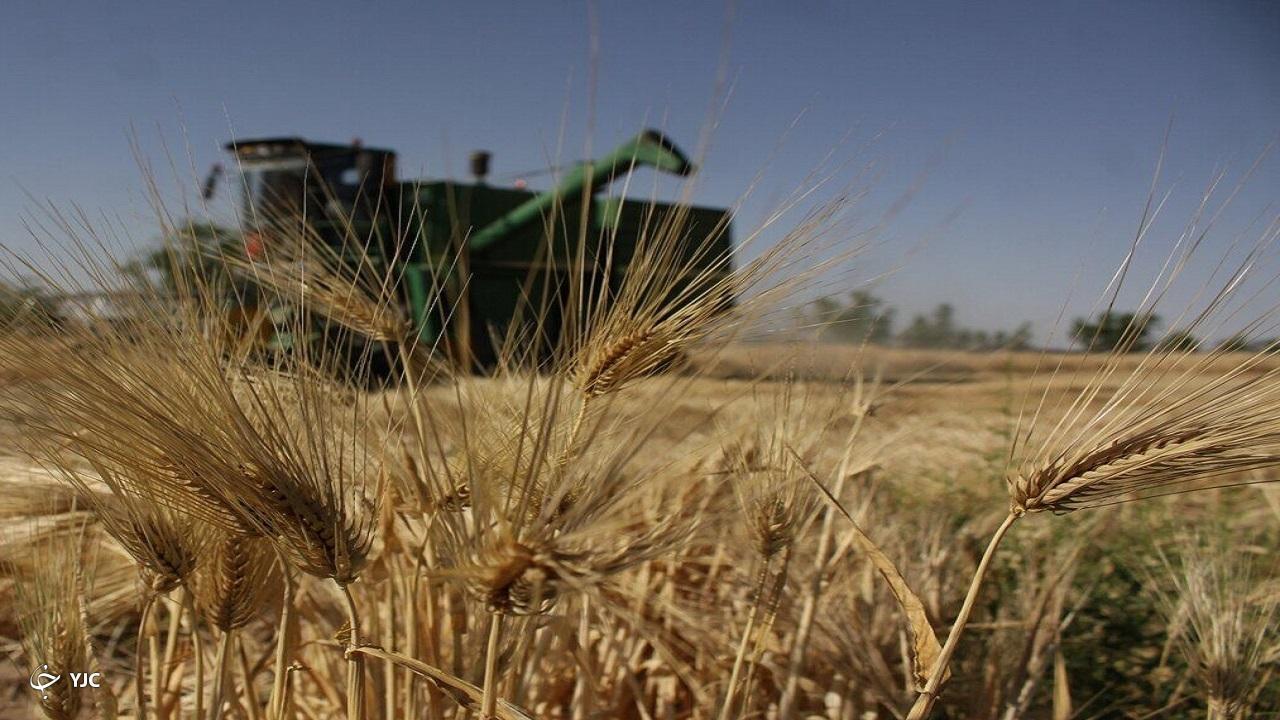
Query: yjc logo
{"type": "Point", "coordinates": [42, 680]}
{"type": "Point", "coordinates": [86, 680]}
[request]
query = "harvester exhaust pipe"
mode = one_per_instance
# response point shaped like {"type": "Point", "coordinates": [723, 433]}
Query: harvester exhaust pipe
{"type": "Point", "coordinates": [480, 165]}
{"type": "Point", "coordinates": [210, 184]}
{"type": "Point", "coordinates": [650, 148]}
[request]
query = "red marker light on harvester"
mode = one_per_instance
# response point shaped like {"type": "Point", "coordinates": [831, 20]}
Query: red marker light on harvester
{"type": "Point", "coordinates": [253, 247]}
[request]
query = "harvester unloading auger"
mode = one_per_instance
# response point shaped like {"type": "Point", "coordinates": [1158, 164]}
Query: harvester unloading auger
{"type": "Point", "coordinates": [476, 253]}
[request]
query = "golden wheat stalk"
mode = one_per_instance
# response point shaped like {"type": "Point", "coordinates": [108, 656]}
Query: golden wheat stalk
{"type": "Point", "coordinates": [1206, 438]}
{"type": "Point", "coordinates": [1177, 421]}
{"type": "Point", "coordinates": [306, 480]}
{"type": "Point", "coordinates": [675, 294]}
{"type": "Point", "coordinates": [234, 578]}
{"type": "Point", "coordinates": [49, 608]}
{"type": "Point", "coordinates": [776, 501]}
{"type": "Point", "coordinates": [154, 535]}
{"type": "Point", "coordinates": [1222, 625]}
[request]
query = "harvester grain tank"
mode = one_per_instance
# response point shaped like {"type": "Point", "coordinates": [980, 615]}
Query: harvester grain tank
{"type": "Point", "coordinates": [476, 253]}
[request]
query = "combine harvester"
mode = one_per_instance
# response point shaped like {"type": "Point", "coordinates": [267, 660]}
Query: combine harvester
{"type": "Point", "coordinates": [473, 258]}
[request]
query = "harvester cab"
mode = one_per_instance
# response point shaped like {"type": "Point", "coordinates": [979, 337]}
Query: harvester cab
{"type": "Point", "coordinates": [328, 184]}
{"type": "Point", "coordinates": [470, 255]}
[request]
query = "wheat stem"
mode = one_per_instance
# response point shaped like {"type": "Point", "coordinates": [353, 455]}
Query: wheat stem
{"type": "Point", "coordinates": [582, 688]}
{"type": "Point", "coordinates": [221, 664]}
{"type": "Point", "coordinates": [250, 695]}
{"type": "Point", "coordinates": [490, 699]}
{"type": "Point", "coordinates": [809, 610]}
{"type": "Point", "coordinates": [388, 634]}
{"type": "Point", "coordinates": [771, 614]}
{"type": "Point", "coordinates": [355, 667]}
{"type": "Point", "coordinates": [530, 663]}
{"type": "Point", "coordinates": [461, 691]}
{"type": "Point", "coordinates": [761, 579]}
{"type": "Point", "coordinates": [171, 638]}
{"type": "Point", "coordinates": [197, 653]}
{"type": "Point", "coordinates": [279, 686]}
{"type": "Point", "coordinates": [928, 696]}
{"type": "Point", "coordinates": [415, 412]}
{"type": "Point", "coordinates": [412, 591]}
{"type": "Point", "coordinates": [139, 674]}
{"type": "Point", "coordinates": [153, 647]}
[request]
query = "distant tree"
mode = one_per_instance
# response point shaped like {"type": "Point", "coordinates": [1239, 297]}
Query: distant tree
{"type": "Point", "coordinates": [1236, 343]}
{"type": "Point", "coordinates": [971, 339]}
{"type": "Point", "coordinates": [918, 334]}
{"type": "Point", "coordinates": [1178, 341]}
{"type": "Point", "coordinates": [939, 329]}
{"type": "Point", "coordinates": [863, 317]}
{"type": "Point", "coordinates": [936, 330]}
{"type": "Point", "coordinates": [944, 325]}
{"type": "Point", "coordinates": [1113, 331]}
{"type": "Point", "coordinates": [27, 303]}
{"type": "Point", "coordinates": [1020, 339]}
{"type": "Point", "coordinates": [1243, 342]}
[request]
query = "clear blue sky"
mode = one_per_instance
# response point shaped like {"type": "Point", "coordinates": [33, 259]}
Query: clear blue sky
{"type": "Point", "coordinates": [1036, 125]}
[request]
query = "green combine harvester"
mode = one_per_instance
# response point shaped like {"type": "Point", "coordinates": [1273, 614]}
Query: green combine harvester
{"type": "Point", "coordinates": [471, 255]}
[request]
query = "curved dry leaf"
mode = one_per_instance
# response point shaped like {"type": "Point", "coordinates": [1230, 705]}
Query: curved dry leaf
{"type": "Point", "coordinates": [467, 696]}
{"type": "Point", "coordinates": [924, 642]}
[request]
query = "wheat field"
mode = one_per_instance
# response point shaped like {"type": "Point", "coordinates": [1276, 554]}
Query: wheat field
{"type": "Point", "coordinates": [664, 519]}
